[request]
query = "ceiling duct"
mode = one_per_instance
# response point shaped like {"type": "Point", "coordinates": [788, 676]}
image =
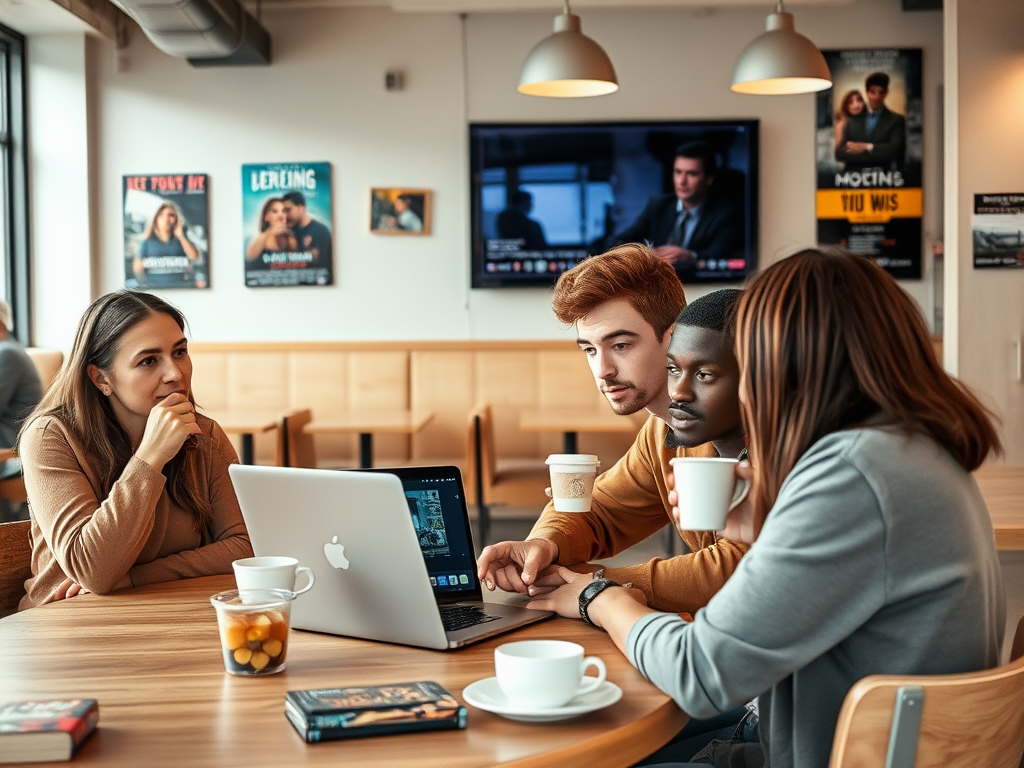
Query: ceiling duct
{"type": "Point", "coordinates": [206, 32]}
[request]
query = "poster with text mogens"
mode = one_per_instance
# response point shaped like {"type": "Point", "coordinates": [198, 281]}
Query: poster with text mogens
{"type": "Point", "coordinates": [868, 151]}
{"type": "Point", "coordinates": [166, 239]}
{"type": "Point", "coordinates": [286, 224]}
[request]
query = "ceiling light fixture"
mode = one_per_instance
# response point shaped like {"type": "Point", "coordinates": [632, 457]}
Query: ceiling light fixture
{"type": "Point", "coordinates": [781, 61]}
{"type": "Point", "coordinates": [567, 64]}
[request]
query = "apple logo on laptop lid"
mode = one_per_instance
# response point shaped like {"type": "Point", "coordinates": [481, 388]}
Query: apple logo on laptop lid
{"type": "Point", "coordinates": [335, 554]}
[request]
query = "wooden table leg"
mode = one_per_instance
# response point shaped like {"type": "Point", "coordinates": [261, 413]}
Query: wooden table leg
{"type": "Point", "coordinates": [365, 450]}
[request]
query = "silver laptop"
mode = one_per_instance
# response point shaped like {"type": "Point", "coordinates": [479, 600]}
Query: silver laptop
{"type": "Point", "coordinates": [392, 552]}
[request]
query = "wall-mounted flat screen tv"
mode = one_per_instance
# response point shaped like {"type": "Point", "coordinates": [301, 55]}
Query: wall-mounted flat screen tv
{"type": "Point", "coordinates": [545, 197]}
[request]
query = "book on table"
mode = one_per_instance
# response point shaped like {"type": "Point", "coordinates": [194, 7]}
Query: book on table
{"type": "Point", "coordinates": [43, 731]}
{"type": "Point", "coordinates": [344, 713]}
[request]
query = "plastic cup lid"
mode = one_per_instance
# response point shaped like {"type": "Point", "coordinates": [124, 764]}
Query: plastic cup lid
{"type": "Point", "coordinates": [573, 458]}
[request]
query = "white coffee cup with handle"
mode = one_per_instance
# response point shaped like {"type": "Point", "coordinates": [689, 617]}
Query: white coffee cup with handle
{"type": "Point", "coordinates": [708, 489]}
{"type": "Point", "coordinates": [271, 573]}
{"type": "Point", "coordinates": [545, 674]}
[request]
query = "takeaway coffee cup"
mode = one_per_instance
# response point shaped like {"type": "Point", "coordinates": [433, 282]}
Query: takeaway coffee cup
{"type": "Point", "coordinates": [572, 480]}
{"type": "Point", "coordinates": [544, 674]}
{"type": "Point", "coordinates": [707, 488]}
{"type": "Point", "coordinates": [271, 573]}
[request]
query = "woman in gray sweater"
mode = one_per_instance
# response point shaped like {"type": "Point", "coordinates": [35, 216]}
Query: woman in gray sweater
{"type": "Point", "coordinates": [874, 551]}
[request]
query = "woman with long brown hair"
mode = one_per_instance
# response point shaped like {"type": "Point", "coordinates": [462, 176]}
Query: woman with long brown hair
{"type": "Point", "coordinates": [874, 551]}
{"type": "Point", "coordinates": [127, 484]}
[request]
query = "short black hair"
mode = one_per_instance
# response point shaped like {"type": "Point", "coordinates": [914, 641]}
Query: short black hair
{"type": "Point", "coordinates": [698, 150]}
{"type": "Point", "coordinates": [877, 78]}
{"type": "Point", "coordinates": [295, 198]}
{"type": "Point", "coordinates": [713, 311]}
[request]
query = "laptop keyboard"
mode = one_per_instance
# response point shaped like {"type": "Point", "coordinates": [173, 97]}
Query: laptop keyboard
{"type": "Point", "coordinates": [456, 617]}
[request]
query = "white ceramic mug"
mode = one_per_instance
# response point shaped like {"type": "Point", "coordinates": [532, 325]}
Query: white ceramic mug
{"type": "Point", "coordinates": [708, 489]}
{"type": "Point", "coordinates": [572, 480]}
{"type": "Point", "coordinates": [270, 573]}
{"type": "Point", "coordinates": [544, 674]}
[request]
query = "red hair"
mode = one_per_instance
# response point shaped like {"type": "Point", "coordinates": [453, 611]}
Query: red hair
{"type": "Point", "coordinates": [631, 272]}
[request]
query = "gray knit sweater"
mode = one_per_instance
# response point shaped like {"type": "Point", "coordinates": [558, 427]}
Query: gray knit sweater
{"type": "Point", "coordinates": [878, 557]}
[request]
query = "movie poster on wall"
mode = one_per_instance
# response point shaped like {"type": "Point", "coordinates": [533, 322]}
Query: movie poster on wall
{"type": "Point", "coordinates": [286, 221]}
{"type": "Point", "coordinates": [869, 198]}
{"type": "Point", "coordinates": [166, 239]}
{"type": "Point", "coordinates": [997, 228]}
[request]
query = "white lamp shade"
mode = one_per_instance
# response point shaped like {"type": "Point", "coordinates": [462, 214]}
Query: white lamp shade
{"type": "Point", "coordinates": [781, 61]}
{"type": "Point", "coordinates": [567, 64]}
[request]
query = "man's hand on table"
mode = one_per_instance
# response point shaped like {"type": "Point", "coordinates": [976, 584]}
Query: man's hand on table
{"type": "Point", "coordinates": [564, 600]}
{"type": "Point", "coordinates": [550, 578]}
{"type": "Point", "coordinates": [514, 565]}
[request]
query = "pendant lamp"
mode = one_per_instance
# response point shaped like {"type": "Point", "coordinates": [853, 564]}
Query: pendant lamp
{"type": "Point", "coordinates": [781, 61]}
{"type": "Point", "coordinates": [567, 64]}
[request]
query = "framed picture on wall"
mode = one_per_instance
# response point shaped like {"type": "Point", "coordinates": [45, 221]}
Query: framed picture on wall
{"type": "Point", "coordinates": [166, 241]}
{"type": "Point", "coordinates": [399, 211]}
{"type": "Point", "coordinates": [869, 157]}
{"type": "Point", "coordinates": [288, 238]}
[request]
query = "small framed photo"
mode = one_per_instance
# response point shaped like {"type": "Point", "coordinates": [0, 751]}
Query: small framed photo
{"type": "Point", "coordinates": [399, 211]}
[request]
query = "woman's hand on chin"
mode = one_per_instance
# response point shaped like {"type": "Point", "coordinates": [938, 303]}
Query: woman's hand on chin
{"type": "Point", "coordinates": [169, 424]}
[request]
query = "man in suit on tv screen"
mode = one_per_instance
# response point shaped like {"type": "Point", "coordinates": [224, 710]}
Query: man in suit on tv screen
{"type": "Point", "coordinates": [690, 228]}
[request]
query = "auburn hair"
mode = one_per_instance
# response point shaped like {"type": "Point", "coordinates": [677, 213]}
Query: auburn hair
{"type": "Point", "coordinates": [826, 339]}
{"type": "Point", "coordinates": [631, 272]}
{"type": "Point", "coordinates": [77, 404]}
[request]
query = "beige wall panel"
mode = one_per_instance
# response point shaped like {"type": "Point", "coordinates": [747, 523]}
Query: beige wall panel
{"type": "Point", "coordinates": [442, 382]}
{"type": "Point", "coordinates": [564, 380]}
{"type": "Point", "coordinates": [508, 381]}
{"type": "Point", "coordinates": [379, 380]}
{"type": "Point", "coordinates": [318, 380]}
{"type": "Point", "coordinates": [257, 380]}
{"type": "Point", "coordinates": [209, 380]}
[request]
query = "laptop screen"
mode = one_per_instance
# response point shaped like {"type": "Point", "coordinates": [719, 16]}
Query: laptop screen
{"type": "Point", "coordinates": [434, 496]}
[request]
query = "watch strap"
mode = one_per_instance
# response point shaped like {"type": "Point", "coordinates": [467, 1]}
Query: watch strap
{"type": "Point", "coordinates": [592, 590]}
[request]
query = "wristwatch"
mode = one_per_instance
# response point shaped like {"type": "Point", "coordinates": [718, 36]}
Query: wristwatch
{"type": "Point", "coordinates": [592, 590]}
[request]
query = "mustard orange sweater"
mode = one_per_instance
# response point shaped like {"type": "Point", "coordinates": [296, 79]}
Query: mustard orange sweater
{"type": "Point", "coordinates": [631, 503]}
{"type": "Point", "coordinates": [135, 529]}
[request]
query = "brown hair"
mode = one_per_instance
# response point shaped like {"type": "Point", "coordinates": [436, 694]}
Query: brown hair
{"type": "Point", "coordinates": [631, 272]}
{"type": "Point", "coordinates": [150, 229]}
{"type": "Point", "coordinates": [826, 339]}
{"type": "Point", "coordinates": [76, 403]}
{"type": "Point", "coordinates": [844, 105]}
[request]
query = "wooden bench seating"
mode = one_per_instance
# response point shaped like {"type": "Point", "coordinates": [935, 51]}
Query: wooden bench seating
{"type": "Point", "coordinates": [445, 377]}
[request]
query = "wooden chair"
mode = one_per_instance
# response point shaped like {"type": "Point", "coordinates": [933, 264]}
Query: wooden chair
{"type": "Point", "coordinates": [512, 482]}
{"type": "Point", "coordinates": [47, 363]}
{"type": "Point", "coordinates": [15, 564]}
{"type": "Point", "coordinates": [301, 448]}
{"type": "Point", "coordinates": [931, 721]}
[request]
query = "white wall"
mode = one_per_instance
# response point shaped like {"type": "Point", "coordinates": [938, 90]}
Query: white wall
{"type": "Point", "coordinates": [323, 99]}
{"type": "Point", "coordinates": [59, 186]}
{"type": "Point", "coordinates": [986, 320]}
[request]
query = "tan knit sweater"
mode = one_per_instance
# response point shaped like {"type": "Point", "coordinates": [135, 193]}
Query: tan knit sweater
{"type": "Point", "coordinates": [631, 503]}
{"type": "Point", "coordinates": [135, 529]}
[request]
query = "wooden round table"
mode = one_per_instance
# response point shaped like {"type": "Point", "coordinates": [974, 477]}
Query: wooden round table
{"type": "Point", "coordinates": [151, 656]}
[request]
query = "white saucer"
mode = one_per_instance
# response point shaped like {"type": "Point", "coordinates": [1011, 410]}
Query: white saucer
{"type": "Point", "coordinates": [486, 694]}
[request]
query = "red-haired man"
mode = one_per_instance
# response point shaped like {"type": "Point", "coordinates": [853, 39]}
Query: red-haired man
{"type": "Point", "coordinates": [625, 305]}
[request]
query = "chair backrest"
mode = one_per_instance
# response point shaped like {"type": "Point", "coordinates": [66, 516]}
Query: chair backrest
{"type": "Point", "coordinates": [301, 446]}
{"type": "Point", "coordinates": [932, 721]}
{"type": "Point", "coordinates": [480, 450]}
{"type": "Point", "coordinates": [15, 564]}
{"type": "Point", "coordinates": [47, 363]}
